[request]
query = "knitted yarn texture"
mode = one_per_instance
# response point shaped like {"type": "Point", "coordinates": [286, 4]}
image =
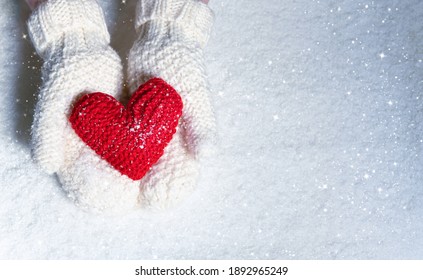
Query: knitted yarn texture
{"type": "Point", "coordinates": [72, 38]}
{"type": "Point", "coordinates": [171, 38]}
{"type": "Point", "coordinates": [172, 35]}
{"type": "Point", "coordinates": [130, 139]}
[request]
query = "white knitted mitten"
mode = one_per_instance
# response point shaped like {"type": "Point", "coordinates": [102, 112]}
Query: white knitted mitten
{"type": "Point", "coordinates": [72, 38]}
{"type": "Point", "coordinates": [172, 34]}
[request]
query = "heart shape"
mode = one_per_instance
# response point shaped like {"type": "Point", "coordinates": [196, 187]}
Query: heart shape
{"type": "Point", "coordinates": [131, 139]}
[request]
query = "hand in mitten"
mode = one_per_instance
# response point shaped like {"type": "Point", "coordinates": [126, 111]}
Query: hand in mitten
{"type": "Point", "coordinates": [172, 35]}
{"type": "Point", "coordinates": [72, 38]}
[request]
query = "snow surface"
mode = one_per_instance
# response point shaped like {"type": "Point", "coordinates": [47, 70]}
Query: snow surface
{"type": "Point", "coordinates": [320, 114]}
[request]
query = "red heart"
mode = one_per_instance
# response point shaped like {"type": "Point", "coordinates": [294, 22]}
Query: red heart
{"type": "Point", "coordinates": [131, 139]}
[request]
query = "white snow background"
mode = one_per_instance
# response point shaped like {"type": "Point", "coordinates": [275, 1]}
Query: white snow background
{"type": "Point", "coordinates": [320, 113]}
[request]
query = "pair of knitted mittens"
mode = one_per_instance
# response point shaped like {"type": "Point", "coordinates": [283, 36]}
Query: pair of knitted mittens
{"type": "Point", "coordinates": [108, 157]}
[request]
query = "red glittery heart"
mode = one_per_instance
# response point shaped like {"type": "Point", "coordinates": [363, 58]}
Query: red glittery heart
{"type": "Point", "coordinates": [131, 139]}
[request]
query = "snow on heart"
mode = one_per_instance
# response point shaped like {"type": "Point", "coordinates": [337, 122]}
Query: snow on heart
{"type": "Point", "coordinates": [130, 139]}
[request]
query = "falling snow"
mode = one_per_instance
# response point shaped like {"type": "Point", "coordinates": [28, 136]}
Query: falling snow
{"type": "Point", "coordinates": [319, 111]}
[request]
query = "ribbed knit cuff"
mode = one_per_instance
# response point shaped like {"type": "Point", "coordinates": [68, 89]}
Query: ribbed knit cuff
{"type": "Point", "coordinates": [193, 17]}
{"type": "Point", "coordinates": [80, 21]}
